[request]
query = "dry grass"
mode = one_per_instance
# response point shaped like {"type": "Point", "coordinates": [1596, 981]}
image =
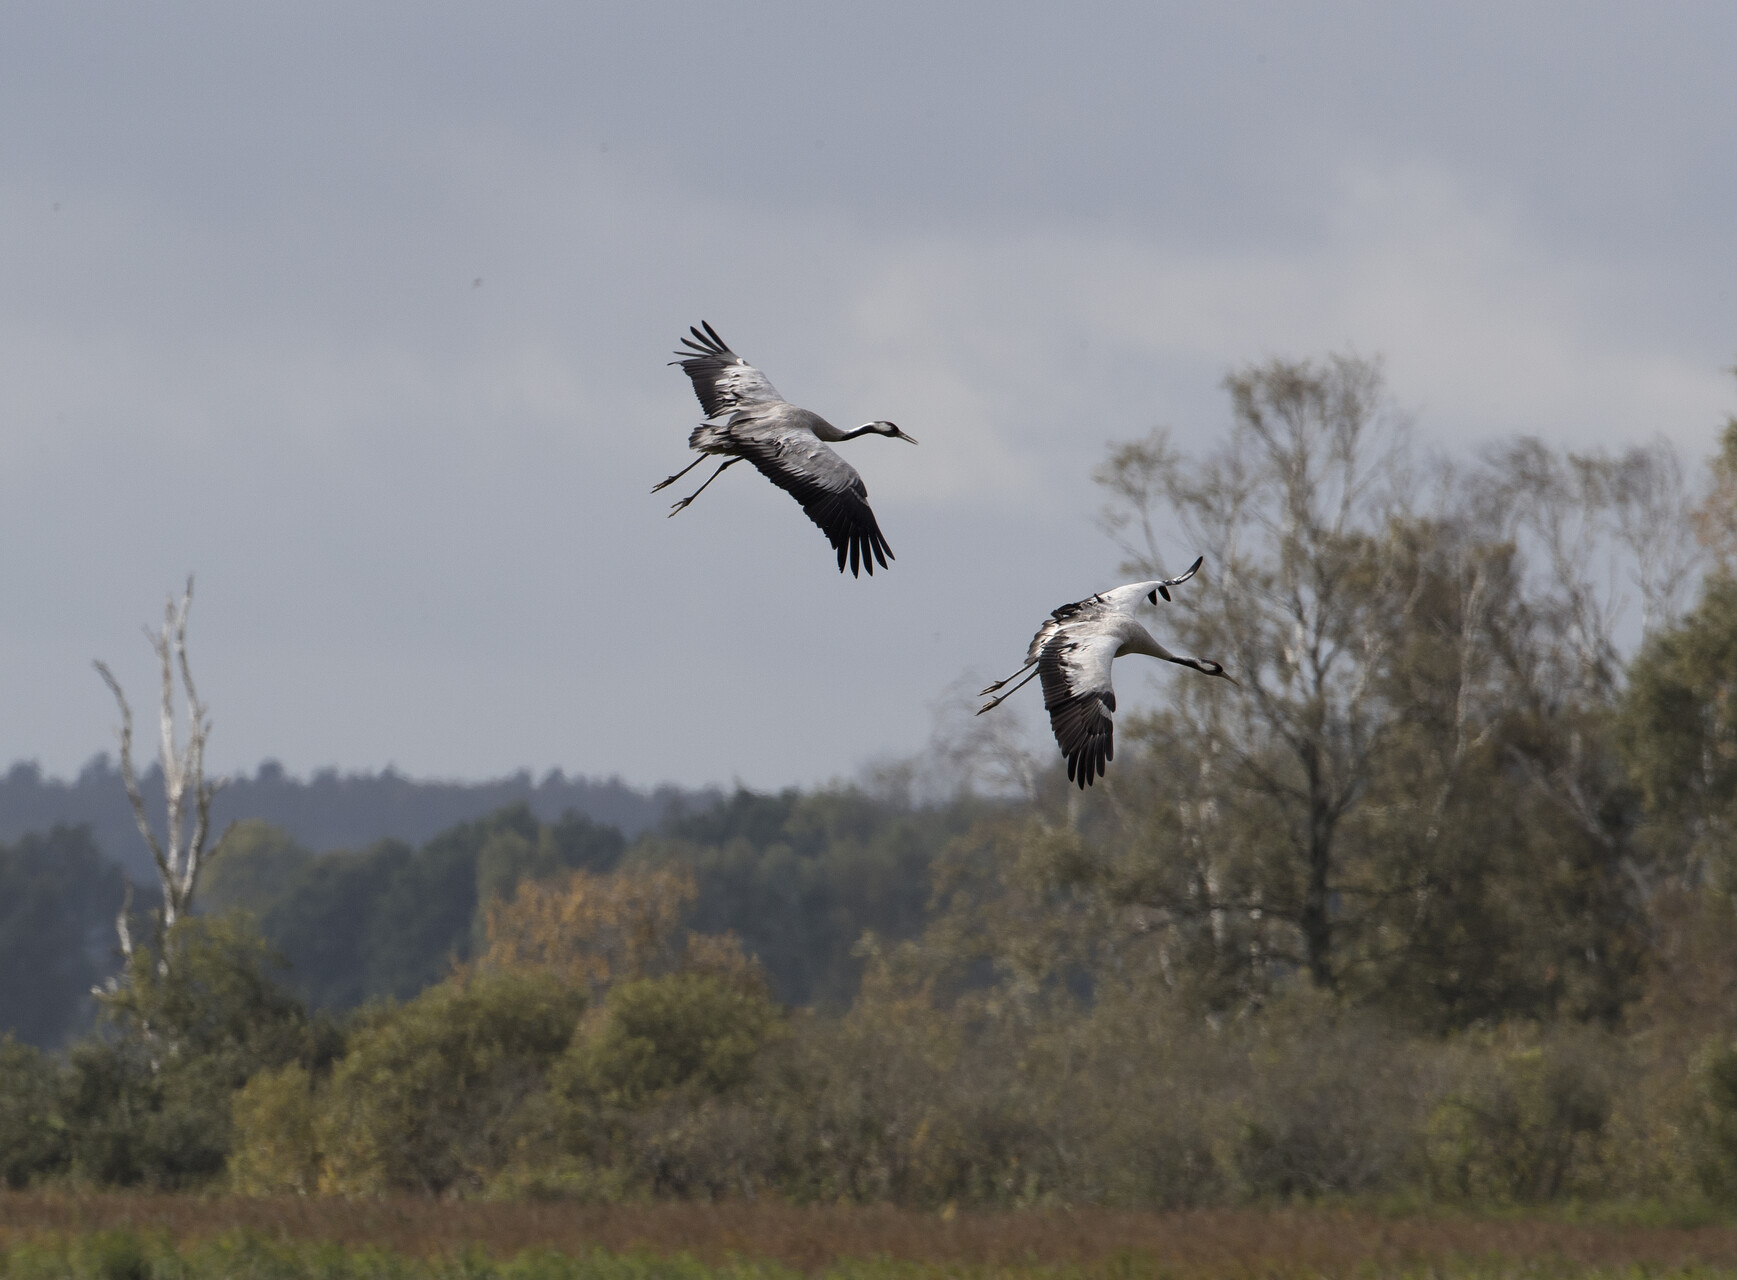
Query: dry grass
{"type": "Point", "coordinates": [1217, 1242]}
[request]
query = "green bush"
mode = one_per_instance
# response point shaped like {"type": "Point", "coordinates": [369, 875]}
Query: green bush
{"type": "Point", "coordinates": [1715, 1123]}
{"type": "Point", "coordinates": [432, 1094]}
{"type": "Point", "coordinates": [655, 1034]}
{"type": "Point", "coordinates": [275, 1150]}
{"type": "Point", "coordinates": [1525, 1123]}
{"type": "Point", "coordinates": [149, 1102]}
{"type": "Point", "coordinates": [32, 1133]}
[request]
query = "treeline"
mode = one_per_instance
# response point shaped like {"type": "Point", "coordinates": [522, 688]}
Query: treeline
{"type": "Point", "coordinates": [1434, 904]}
{"type": "Point", "coordinates": [58, 900]}
{"type": "Point", "coordinates": [329, 810]}
{"type": "Point", "coordinates": [798, 877]}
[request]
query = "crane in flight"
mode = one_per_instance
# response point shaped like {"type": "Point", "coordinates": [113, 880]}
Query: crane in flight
{"type": "Point", "coordinates": [747, 418]}
{"type": "Point", "coordinates": [1073, 651]}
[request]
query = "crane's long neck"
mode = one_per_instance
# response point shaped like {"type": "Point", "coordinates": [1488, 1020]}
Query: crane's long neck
{"type": "Point", "coordinates": [832, 435]}
{"type": "Point", "coordinates": [1136, 639]}
{"type": "Point", "coordinates": [1140, 640]}
{"type": "Point", "coordinates": [824, 430]}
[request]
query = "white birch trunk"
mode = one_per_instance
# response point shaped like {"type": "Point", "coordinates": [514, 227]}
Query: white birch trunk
{"type": "Point", "coordinates": [181, 853]}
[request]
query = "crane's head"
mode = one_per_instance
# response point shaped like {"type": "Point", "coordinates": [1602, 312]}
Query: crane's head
{"type": "Point", "coordinates": [1211, 668]}
{"type": "Point", "coordinates": [883, 428]}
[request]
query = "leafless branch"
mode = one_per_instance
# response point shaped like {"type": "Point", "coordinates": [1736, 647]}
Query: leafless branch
{"type": "Point", "coordinates": [181, 854]}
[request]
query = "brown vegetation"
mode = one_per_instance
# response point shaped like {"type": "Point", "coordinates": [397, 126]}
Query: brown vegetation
{"type": "Point", "coordinates": [1194, 1242]}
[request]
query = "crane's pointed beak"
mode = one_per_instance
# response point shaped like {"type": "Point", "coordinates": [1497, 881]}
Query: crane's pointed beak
{"type": "Point", "coordinates": [903, 436]}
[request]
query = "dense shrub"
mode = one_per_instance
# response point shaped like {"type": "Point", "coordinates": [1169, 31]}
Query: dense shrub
{"type": "Point", "coordinates": [149, 1102]}
{"type": "Point", "coordinates": [1524, 1123]}
{"type": "Point", "coordinates": [276, 1149]}
{"type": "Point", "coordinates": [32, 1134]}
{"type": "Point", "coordinates": [700, 1030]}
{"type": "Point", "coordinates": [431, 1094]}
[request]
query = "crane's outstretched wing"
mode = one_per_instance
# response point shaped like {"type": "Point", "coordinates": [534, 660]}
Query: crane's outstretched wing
{"type": "Point", "coordinates": [1067, 615]}
{"type": "Point", "coordinates": [1079, 698]}
{"type": "Point", "coordinates": [722, 379]}
{"type": "Point", "coordinates": [829, 489]}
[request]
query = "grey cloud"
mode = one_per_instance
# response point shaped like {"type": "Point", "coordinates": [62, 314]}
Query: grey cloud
{"type": "Point", "coordinates": [250, 342]}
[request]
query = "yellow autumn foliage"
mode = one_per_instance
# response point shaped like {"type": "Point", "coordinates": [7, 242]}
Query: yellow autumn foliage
{"type": "Point", "coordinates": [596, 930]}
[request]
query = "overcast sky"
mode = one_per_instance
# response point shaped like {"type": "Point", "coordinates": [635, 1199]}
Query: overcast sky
{"type": "Point", "coordinates": [361, 313]}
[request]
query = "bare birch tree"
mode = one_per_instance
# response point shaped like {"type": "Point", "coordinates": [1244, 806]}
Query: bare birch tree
{"type": "Point", "coordinates": [181, 853]}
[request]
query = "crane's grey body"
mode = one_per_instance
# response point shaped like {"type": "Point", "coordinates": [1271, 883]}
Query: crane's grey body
{"type": "Point", "coordinates": [1073, 651]}
{"type": "Point", "coordinates": [746, 418]}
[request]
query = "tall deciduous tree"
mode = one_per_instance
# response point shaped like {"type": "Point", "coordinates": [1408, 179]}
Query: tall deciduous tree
{"type": "Point", "coordinates": [1306, 591]}
{"type": "Point", "coordinates": [1418, 762]}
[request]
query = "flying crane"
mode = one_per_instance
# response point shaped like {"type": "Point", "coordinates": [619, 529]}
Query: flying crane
{"type": "Point", "coordinates": [746, 418]}
{"type": "Point", "coordinates": [1073, 651]}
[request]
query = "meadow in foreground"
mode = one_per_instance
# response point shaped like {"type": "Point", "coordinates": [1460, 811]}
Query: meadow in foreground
{"type": "Point", "coordinates": [113, 1236]}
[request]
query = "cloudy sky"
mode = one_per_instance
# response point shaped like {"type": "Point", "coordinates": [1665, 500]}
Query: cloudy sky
{"type": "Point", "coordinates": [360, 312]}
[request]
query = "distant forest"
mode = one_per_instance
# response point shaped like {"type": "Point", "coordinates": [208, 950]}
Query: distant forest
{"type": "Point", "coordinates": [67, 850]}
{"type": "Point", "coordinates": [330, 810]}
{"type": "Point", "coordinates": [797, 877]}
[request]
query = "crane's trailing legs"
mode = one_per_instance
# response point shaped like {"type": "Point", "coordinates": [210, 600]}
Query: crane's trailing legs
{"type": "Point", "coordinates": [664, 484]}
{"type": "Point", "coordinates": [996, 702]}
{"type": "Point", "coordinates": [697, 492]}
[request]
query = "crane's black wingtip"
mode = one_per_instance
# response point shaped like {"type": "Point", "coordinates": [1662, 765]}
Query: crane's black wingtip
{"type": "Point", "coordinates": [1082, 769]}
{"type": "Point", "coordinates": [704, 344]}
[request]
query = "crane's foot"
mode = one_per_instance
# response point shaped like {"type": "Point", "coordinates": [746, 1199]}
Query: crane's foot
{"type": "Point", "coordinates": [664, 484]}
{"type": "Point", "coordinates": [1030, 675]}
{"type": "Point", "coordinates": [983, 693]}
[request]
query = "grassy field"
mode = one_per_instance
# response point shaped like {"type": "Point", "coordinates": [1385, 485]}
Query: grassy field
{"type": "Point", "coordinates": [121, 1237]}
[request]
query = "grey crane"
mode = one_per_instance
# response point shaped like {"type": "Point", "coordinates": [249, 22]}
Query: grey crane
{"type": "Point", "coordinates": [747, 418]}
{"type": "Point", "coordinates": [1073, 651]}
